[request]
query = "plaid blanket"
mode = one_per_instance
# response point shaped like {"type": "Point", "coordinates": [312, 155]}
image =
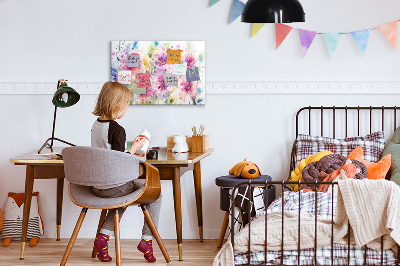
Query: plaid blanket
{"type": "Point", "coordinates": [340, 254]}
{"type": "Point", "coordinates": [323, 205]}
{"type": "Point", "coordinates": [306, 201]}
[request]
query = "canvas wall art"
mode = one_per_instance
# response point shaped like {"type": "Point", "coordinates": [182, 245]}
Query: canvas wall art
{"type": "Point", "coordinates": [160, 72]}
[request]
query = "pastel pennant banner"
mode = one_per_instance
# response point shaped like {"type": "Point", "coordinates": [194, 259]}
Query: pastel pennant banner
{"type": "Point", "coordinates": [213, 2]}
{"type": "Point", "coordinates": [256, 27]}
{"type": "Point", "coordinates": [332, 41]}
{"type": "Point", "coordinates": [389, 30]}
{"type": "Point", "coordinates": [281, 31]}
{"type": "Point", "coordinates": [361, 37]}
{"type": "Point", "coordinates": [237, 9]}
{"type": "Point", "coordinates": [306, 39]}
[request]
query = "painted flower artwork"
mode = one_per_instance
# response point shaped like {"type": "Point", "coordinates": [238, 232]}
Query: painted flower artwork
{"type": "Point", "coordinates": [160, 72]}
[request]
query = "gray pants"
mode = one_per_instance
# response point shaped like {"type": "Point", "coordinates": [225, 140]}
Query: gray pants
{"type": "Point", "coordinates": [154, 208]}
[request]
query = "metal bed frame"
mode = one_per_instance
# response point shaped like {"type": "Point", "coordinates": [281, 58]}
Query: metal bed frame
{"type": "Point", "coordinates": [283, 184]}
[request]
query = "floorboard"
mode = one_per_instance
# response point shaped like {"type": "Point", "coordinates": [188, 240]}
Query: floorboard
{"type": "Point", "coordinates": [50, 252]}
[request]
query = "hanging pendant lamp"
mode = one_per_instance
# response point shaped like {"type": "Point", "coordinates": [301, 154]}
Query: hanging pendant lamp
{"type": "Point", "coordinates": [273, 11]}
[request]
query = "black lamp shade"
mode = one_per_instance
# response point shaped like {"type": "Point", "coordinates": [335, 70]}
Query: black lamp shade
{"type": "Point", "coordinates": [65, 96]}
{"type": "Point", "coordinates": [273, 11]}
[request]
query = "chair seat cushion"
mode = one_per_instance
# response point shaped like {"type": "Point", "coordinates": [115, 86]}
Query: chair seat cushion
{"type": "Point", "coordinates": [83, 196]}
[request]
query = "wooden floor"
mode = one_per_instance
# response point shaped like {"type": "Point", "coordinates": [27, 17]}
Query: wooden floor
{"type": "Point", "coordinates": [50, 252]}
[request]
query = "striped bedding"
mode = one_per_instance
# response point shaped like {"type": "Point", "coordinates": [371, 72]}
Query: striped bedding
{"type": "Point", "coordinates": [306, 202]}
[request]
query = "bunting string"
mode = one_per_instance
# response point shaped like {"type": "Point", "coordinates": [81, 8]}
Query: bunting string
{"type": "Point", "coordinates": [361, 37]}
{"type": "Point", "coordinates": [343, 33]}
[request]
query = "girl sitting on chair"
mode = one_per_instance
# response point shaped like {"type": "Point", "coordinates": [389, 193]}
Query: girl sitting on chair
{"type": "Point", "coordinates": [112, 104]}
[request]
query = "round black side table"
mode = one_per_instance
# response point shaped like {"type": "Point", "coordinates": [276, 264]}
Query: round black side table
{"type": "Point", "coordinates": [228, 182]}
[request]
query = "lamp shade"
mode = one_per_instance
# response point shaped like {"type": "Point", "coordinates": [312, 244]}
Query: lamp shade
{"type": "Point", "coordinates": [65, 96]}
{"type": "Point", "coordinates": [273, 11]}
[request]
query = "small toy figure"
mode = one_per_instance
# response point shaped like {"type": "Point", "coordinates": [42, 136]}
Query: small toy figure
{"type": "Point", "coordinates": [180, 144]}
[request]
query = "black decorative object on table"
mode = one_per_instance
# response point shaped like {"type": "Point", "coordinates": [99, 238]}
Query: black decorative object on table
{"type": "Point", "coordinates": [152, 155]}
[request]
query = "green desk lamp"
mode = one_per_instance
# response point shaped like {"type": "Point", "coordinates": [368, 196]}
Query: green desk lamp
{"type": "Point", "coordinates": [65, 96]}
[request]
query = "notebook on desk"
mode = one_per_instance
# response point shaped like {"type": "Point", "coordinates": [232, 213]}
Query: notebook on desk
{"type": "Point", "coordinates": [50, 156]}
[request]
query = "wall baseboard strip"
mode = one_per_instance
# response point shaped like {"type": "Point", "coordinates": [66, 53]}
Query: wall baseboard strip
{"type": "Point", "coordinates": [232, 87]}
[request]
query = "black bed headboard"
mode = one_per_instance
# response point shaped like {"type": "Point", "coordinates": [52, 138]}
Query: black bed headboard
{"type": "Point", "coordinates": [346, 112]}
{"type": "Point", "coordinates": [344, 121]}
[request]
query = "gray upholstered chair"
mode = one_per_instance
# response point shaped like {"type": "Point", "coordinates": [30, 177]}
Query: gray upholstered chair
{"type": "Point", "coordinates": [85, 167]}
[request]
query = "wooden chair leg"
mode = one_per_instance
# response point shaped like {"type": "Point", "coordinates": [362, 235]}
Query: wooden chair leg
{"type": "Point", "coordinates": [154, 230]}
{"type": "Point", "coordinates": [101, 222]}
{"type": "Point", "coordinates": [117, 239]}
{"type": "Point", "coordinates": [73, 237]}
{"type": "Point", "coordinates": [223, 229]}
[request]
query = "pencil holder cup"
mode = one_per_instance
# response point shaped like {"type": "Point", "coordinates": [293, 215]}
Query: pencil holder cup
{"type": "Point", "coordinates": [200, 143]}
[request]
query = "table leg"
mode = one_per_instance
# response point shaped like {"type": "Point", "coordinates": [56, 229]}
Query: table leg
{"type": "Point", "coordinates": [27, 206]}
{"type": "Point", "coordinates": [60, 190]}
{"type": "Point", "coordinates": [199, 204]}
{"type": "Point", "coordinates": [176, 183]}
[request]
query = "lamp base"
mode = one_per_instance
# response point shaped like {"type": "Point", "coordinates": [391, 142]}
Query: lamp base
{"type": "Point", "coordinates": [50, 146]}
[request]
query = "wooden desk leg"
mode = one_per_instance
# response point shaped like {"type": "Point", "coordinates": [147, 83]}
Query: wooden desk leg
{"type": "Point", "coordinates": [176, 183]}
{"type": "Point", "coordinates": [60, 191]}
{"type": "Point", "coordinates": [27, 206]}
{"type": "Point", "coordinates": [199, 204]}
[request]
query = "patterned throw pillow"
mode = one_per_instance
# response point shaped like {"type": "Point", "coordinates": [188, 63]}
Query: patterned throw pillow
{"type": "Point", "coordinates": [372, 145]}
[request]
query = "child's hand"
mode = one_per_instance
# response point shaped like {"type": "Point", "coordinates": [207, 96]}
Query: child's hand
{"type": "Point", "coordinates": [143, 155]}
{"type": "Point", "coordinates": [137, 144]}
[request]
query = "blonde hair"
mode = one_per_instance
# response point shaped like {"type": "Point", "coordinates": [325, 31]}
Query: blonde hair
{"type": "Point", "coordinates": [112, 98]}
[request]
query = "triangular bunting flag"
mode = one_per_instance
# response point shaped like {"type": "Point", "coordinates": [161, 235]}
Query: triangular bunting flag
{"type": "Point", "coordinates": [213, 2]}
{"type": "Point", "coordinates": [237, 9]}
{"type": "Point", "coordinates": [389, 30]}
{"type": "Point", "coordinates": [281, 31]}
{"type": "Point", "coordinates": [306, 39]}
{"type": "Point", "coordinates": [332, 41]}
{"type": "Point", "coordinates": [256, 27]}
{"type": "Point", "coordinates": [361, 37]}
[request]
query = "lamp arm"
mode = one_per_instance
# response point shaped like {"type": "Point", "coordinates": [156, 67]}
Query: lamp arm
{"type": "Point", "coordinates": [54, 119]}
{"type": "Point", "coordinates": [46, 143]}
{"type": "Point", "coordinates": [54, 126]}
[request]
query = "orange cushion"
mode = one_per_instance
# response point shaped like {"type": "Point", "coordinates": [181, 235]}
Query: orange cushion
{"type": "Point", "coordinates": [375, 170]}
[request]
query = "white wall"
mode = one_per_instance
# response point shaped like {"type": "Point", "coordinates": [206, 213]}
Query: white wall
{"type": "Point", "coordinates": [42, 41]}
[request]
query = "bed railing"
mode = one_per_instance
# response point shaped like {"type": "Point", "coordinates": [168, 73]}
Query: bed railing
{"type": "Point", "coordinates": [346, 109]}
{"type": "Point", "coordinates": [343, 118]}
{"type": "Point", "coordinates": [265, 185]}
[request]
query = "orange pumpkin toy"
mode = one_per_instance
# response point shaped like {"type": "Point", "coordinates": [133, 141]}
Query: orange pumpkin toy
{"type": "Point", "coordinates": [245, 169]}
